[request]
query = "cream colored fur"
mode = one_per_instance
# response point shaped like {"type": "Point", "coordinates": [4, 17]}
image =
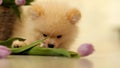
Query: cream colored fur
{"type": "Point", "coordinates": [51, 18]}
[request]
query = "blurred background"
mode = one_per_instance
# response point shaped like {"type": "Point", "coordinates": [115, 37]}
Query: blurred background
{"type": "Point", "coordinates": [99, 25]}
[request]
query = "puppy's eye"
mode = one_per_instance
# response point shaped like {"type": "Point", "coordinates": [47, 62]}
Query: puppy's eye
{"type": "Point", "coordinates": [44, 35]}
{"type": "Point", "coordinates": [59, 36]}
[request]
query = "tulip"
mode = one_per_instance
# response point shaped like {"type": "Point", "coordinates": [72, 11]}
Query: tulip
{"type": "Point", "coordinates": [4, 51]}
{"type": "Point", "coordinates": [85, 49]}
{"type": "Point", "coordinates": [1, 1]}
{"type": "Point", "coordinates": [20, 2]}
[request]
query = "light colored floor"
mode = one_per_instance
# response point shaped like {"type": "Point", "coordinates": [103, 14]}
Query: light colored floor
{"type": "Point", "coordinates": [100, 25]}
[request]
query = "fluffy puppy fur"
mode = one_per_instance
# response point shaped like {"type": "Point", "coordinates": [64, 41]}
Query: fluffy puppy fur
{"type": "Point", "coordinates": [53, 20]}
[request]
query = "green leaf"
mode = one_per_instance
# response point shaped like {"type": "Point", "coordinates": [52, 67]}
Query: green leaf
{"type": "Point", "coordinates": [7, 3]}
{"type": "Point", "coordinates": [9, 42]}
{"type": "Point", "coordinates": [74, 54]}
{"type": "Point", "coordinates": [28, 2]}
{"type": "Point", "coordinates": [39, 51]}
{"type": "Point", "coordinates": [11, 4]}
{"type": "Point", "coordinates": [16, 10]}
{"type": "Point", "coordinates": [34, 49]}
{"type": "Point", "coordinates": [48, 52]}
{"type": "Point", "coordinates": [25, 48]}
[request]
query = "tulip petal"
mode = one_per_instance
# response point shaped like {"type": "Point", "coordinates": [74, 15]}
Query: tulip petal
{"type": "Point", "coordinates": [1, 1]}
{"type": "Point", "coordinates": [20, 2]}
{"type": "Point", "coordinates": [4, 51]}
{"type": "Point", "coordinates": [85, 49]}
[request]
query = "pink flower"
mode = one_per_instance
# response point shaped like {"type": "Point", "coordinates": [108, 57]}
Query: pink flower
{"type": "Point", "coordinates": [4, 51]}
{"type": "Point", "coordinates": [1, 1]}
{"type": "Point", "coordinates": [85, 49]}
{"type": "Point", "coordinates": [20, 2]}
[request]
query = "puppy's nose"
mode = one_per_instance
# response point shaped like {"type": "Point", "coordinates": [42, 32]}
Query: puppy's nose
{"type": "Point", "coordinates": [50, 45]}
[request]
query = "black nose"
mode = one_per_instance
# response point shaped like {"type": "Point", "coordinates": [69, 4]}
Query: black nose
{"type": "Point", "coordinates": [50, 45]}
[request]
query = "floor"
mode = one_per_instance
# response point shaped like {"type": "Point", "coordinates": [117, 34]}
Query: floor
{"type": "Point", "coordinates": [100, 26]}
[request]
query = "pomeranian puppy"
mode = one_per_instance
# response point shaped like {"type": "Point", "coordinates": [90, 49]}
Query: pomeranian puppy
{"type": "Point", "coordinates": [53, 20]}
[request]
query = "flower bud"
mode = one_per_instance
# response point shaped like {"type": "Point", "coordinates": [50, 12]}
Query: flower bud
{"type": "Point", "coordinates": [1, 1]}
{"type": "Point", "coordinates": [85, 49]}
{"type": "Point", "coordinates": [4, 51]}
{"type": "Point", "coordinates": [20, 2]}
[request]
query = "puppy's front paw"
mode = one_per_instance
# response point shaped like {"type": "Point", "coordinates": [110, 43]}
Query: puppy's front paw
{"type": "Point", "coordinates": [17, 44]}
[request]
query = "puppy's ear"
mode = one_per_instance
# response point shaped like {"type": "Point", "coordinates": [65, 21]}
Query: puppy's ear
{"type": "Point", "coordinates": [35, 11]}
{"type": "Point", "coordinates": [73, 16]}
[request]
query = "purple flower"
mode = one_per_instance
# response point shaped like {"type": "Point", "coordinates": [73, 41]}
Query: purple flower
{"type": "Point", "coordinates": [4, 51]}
{"type": "Point", "coordinates": [1, 1]}
{"type": "Point", "coordinates": [85, 49]}
{"type": "Point", "coordinates": [20, 2]}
